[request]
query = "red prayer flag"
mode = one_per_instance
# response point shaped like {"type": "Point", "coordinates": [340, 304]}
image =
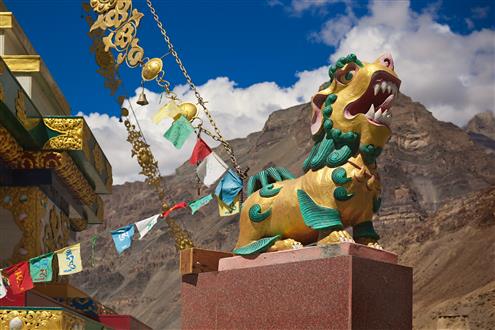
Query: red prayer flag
{"type": "Point", "coordinates": [177, 206]}
{"type": "Point", "coordinates": [201, 150]}
{"type": "Point", "coordinates": [19, 277]}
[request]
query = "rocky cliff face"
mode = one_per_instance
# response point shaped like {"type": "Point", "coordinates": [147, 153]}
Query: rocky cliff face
{"type": "Point", "coordinates": [481, 129]}
{"type": "Point", "coordinates": [437, 213]}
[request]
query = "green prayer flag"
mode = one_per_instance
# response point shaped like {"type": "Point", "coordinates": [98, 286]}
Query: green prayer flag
{"type": "Point", "coordinates": [40, 268]}
{"type": "Point", "coordinates": [199, 203]}
{"type": "Point", "coordinates": [179, 132]}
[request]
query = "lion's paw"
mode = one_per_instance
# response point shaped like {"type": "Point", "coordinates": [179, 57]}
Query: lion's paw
{"type": "Point", "coordinates": [286, 244]}
{"type": "Point", "coordinates": [336, 237]}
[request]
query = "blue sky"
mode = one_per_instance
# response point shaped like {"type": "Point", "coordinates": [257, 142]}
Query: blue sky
{"type": "Point", "coordinates": [247, 40]}
{"type": "Point", "coordinates": [250, 58]}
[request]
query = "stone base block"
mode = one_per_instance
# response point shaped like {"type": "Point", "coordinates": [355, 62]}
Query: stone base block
{"type": "Point", "coordinates": [315, 290]}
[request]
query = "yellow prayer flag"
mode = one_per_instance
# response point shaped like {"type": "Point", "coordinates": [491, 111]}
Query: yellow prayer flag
{"type": "Point", "coordinates": [171, 109]}
{"type": "Point", "coordinates": [69, 260]}
{"type": "Point", "coordinates": [226, 210]}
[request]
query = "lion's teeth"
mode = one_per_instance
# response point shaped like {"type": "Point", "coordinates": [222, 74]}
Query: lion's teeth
{"type": "Point", "coordinates": [383, 86]}
{"type": "Point", "coordinates": [389, 88]}
{"type": "Point", "coordinates": [378, 116]}
{"type": "Point", "coordinates": [377, 87]}
{"type": "Point", "coordinates": [371, 112]}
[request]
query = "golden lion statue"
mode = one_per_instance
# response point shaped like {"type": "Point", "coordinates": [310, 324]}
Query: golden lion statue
{"type": "Point", "coordinates": [341, 186]}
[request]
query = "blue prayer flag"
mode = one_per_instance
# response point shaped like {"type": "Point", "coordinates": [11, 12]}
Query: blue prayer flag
{"type": "Point", "coordinates": [122, 237]}
{"type": "Point", "coordinates": [228, 187]}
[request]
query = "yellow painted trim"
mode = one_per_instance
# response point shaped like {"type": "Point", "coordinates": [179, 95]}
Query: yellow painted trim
{"type": "Point", "coordinates": [23, 63]}
{"type": "Point", "coordinates": [6, 20]}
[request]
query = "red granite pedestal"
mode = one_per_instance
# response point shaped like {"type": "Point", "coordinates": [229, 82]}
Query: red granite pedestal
{"type": "Point", "coordinates": [347, 286]}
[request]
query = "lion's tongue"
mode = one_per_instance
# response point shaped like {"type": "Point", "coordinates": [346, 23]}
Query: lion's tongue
{"type": "Point", "coordinates": [387, 103]}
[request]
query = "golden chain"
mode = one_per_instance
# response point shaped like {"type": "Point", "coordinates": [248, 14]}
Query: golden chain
{"type": "Point", "coordinates": [201, 101]}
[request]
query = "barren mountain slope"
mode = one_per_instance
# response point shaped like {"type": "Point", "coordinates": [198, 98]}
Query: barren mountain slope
{"type": "Point", "coordinates": [426, 163]}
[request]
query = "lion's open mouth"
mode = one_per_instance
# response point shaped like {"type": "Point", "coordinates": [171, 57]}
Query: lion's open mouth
{"type": "Point", "coordinates": [377, 101]}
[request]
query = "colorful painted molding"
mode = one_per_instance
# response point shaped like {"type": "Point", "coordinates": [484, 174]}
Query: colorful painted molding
{"type": "Point", "coordinates": [341, 187]}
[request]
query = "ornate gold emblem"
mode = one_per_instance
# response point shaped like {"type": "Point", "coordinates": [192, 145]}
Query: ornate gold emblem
{"type": "Point", "coordinates": [122, 21]}
{"type": "Point", "coordinates": [101, 6]}
{"type": "Point", "coordinates": [71, 131]}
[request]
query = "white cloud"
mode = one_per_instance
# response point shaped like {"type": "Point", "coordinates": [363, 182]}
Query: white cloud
{"type": "Point", "coordinates": [237, 111]}
{"type": "Point", "coordinates": [452, 74]}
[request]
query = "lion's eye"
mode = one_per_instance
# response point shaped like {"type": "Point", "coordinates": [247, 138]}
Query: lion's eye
{"type": "Point", "coordinates": [347, 77]}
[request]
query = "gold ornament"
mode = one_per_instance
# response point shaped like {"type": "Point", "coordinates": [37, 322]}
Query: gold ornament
{"type": "Point", "coordinates": [122, 21]}
{"type": "Point", "coordinates": [20, 108]}
{"type": "Point", "coordinates": [188, 110]}
{"type": "Point", "coordinates": [71, 132]}
{"type": "Point", "coordinates": [102, 6]}
{"type": "Point", "coordinates": [151, 69]}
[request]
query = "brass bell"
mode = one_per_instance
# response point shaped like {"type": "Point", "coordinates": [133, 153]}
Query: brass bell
{"type": "Point", "coordinates": [142, 99]}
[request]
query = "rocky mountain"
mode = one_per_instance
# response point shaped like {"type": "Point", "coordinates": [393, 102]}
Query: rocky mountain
{"type": "Point", "coordinates": [481, 129]}
{"type": "Point", "coordinates": [482, 123]}
{"type": "Point", "coordinates": [438, 213]}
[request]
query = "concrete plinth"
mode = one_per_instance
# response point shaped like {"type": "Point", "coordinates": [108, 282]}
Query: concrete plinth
{"type": "Point", "coordinates": [336, 287]}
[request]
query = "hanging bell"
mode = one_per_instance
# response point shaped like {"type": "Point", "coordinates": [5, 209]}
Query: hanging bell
{"type": "Point", "coordinates": [142, 99]}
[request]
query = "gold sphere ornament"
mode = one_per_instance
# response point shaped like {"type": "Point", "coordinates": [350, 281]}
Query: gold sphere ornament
{"type": "Point", "coordinates": [151, 68]}
{"type": "Point", "coordinates": [188, 110]}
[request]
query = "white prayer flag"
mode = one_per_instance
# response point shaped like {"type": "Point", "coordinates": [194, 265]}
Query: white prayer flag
{"type": "Point", "coordinates": [211, 169]}
{"type": "Point", "coordinates": [144, 226]}
{"type": "Point", "coordinates": [3, 290]}
{"type": "Point", "coordinates": [69, 260]}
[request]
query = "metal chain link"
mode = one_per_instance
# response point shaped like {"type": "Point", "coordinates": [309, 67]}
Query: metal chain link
{"type": "Point", "coordinates": [226, 145]}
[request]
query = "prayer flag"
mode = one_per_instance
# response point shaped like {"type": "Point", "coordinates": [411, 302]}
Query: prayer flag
{"type": "Point", "coordinates": [199, 203]}
{"type": "Point", "coordinates": [171, 109]}
{"type": "Point", "coordinates": [144, 226]}
{"type": "Point", "coordinates": [226, 210]}
{"type": "Point", "coordinates": [211, 169]}
{"type": "Point", "coordinates": [122, 237]}
{"type": "Point", "coordinates": [3, 289]}
{"type": "Point", "coordinates": [41, 268]}
{"type": "Point", "coordinates": [19, 278]}
{"type": "Point", "coordinates": [228, 187]}
{"type": "Point", "coordinates": [69, 260]}
{"type": "Point", "coordinates": [201, 151]}
{"type": "Point", "coordinates": [177, 206]}
{"type": "Point", "coordinates": [179, 132]}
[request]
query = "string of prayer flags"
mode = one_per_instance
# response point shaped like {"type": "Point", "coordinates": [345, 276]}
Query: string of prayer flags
{"type": "Point", "coordinates": [144, 226]}
{"type": "Point", "coordinates": [177, 206]}
{"type": "Point", "coordinates": [178, 133]}
{"type": "Point", "coordinates": [19, 277]}
{"type": "Point", "coordinates": [69, 260]}
{"type": "Point", "coordinates": [201, 151]}
{"type": "Point", "coordinates": [199, 203]}
{"type": "Point", "coordinates": [226, 210]}
{"type": "Point", "coordinates": [211, 169]}
{"type": "Point", "coordinates": [170, 110]}
{"type": "Point", "coordinates": [122, 238]}
{"type": "Point", "coordinates": [3, 289]}
{"type": "Point", "coordinates": [229, 187]}
{"type": "Point", "coordinates": [41, 268]}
